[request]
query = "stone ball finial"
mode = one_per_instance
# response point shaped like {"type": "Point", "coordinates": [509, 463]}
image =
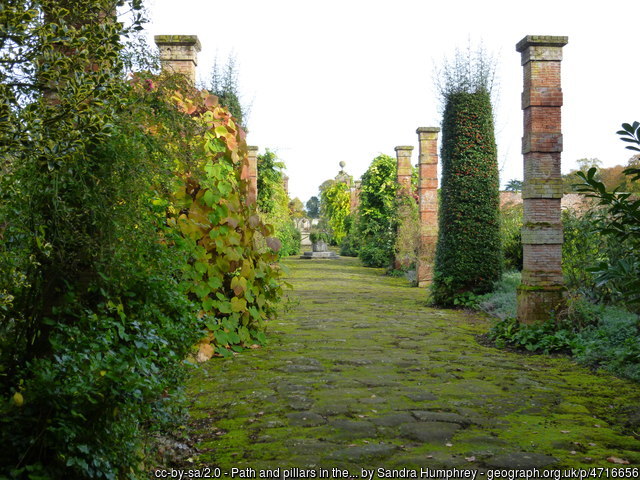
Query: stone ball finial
{"type": "Point", "coordinates": [342, 164]}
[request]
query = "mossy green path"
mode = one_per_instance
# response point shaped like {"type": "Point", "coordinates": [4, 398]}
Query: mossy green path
{"type": "Point", "coordinates": [360, 373]}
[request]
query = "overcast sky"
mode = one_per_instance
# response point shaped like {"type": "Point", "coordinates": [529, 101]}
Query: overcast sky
{"type": "Point", "coordinates": [344, 80]}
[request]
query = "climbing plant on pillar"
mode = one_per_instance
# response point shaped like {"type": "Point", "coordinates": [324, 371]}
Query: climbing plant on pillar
{"type": "Point", "coordinates": [468, 254]}
{"type": "Point", "coordinates": [377, 212]}
{"type": "Point", "coordinates": [236, 284]}
{"type": "Point", "coordinates": [335, 206]}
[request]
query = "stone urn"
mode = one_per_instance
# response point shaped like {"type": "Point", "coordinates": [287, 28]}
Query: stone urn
{"type": "Point", "coordinates": [320, 246]}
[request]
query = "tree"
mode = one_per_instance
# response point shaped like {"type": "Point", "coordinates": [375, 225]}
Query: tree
{"type": "Point", "coordinates": [296, 208]}
{"type": "Point", "coordinates": [514, 185]}
{"type": "Point", "coordinates": [224, 85]}
{"type": "Point", "coordinates": [468, 252]}
{"type": "Point", "coordinates": [313, 207]}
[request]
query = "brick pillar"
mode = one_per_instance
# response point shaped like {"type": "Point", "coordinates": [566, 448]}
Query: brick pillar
{"type": "Point", "coordinates": [179, 54]}
{"type": "Point", "coordinates": [252, 193]}
{"type": "Point", "coordinates": [541, 290]}
{"type": "Point", "coordinates": [354, 192]}
{"type": "Point", "coordinates": [428, 197]}
{"type": "Point", "coordinates": [403, 156]}
{"type": "Point", "coordinates": [285, 183]}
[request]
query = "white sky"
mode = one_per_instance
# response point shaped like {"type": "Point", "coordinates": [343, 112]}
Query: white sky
{"type": "Point", "coordinates": [337, 80]}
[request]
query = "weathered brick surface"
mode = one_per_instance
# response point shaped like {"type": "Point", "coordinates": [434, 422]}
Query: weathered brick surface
{"type": "Point", "coordinates": [542, 282]}
{"type": "Point", "coordinates": [403, 158]}
{"type": "Point", "coordinates": [252, 175]}
{"type": "Point", "coordinates": [179, 54]}
{"type": "Point", "coordinates": [428, 197]}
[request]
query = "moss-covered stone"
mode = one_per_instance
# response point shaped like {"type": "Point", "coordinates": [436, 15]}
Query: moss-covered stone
{"type": "Point", "coordinates": [358, 404]}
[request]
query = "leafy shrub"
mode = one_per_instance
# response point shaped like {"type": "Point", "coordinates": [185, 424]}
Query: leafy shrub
{"type": "Point", "coordinates": [273, 203]}
{"type": "Point", "coordinates": [613, 343]}
{"type": "Point", "coordinates": [290, 237]}
{"type": "Point", "coordinates": [619, 222]}
{"type": "Point", "coordinates": [596, 335]}
{"type": "Point", "coordinates": [349, 245]}
{"type": "Point", "coordinates": [468, 252]}
{"type": "Point", "coordinates": [546, 337]}
{"type": "Point", "coordinates": [511, 217]}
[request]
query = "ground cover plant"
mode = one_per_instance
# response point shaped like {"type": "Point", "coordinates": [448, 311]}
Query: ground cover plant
{"type": "Point", "coordinates": [600, 326]}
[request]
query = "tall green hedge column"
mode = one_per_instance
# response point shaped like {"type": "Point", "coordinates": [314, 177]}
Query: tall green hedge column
{"type": "Point", "coordinates": [541, 291]}
{"type": "Point", "coordinates": [469, 253]}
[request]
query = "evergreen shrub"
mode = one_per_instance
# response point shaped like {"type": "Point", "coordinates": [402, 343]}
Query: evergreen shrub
{"type": "Point", "coordinates": [469, 251]}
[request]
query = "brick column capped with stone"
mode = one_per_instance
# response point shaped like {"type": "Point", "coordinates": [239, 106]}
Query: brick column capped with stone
{"type": "Point", "coordinates": [403, 177]}
{"type": "Point", "coordinates": [403, 157]}
{"type": "Point", "coordinates": [179, 54]}
{"type": "Point", "coordinates": [252, 174]}
{"type": "Point", "coordinates": [542, 287]}
{"type": "Point", "coordinates": [428, 198]}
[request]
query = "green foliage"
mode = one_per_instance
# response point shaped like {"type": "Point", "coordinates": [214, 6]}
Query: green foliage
{"type": "Point", "coordinates": [408, 232]}
{"type": "Point", "coordinates": [319, 236]}
{"type": "Point", "coordinates": [335, 206]}
{"type": "Point", "coordinates": [596, 335]}
{"type": "Point", "coordinates": [313, 207]}
{"type": "Point", "coordinates": [583, 248]}
{"type": "Point", "coordinates": [469, 253]}
{"type": "Point", "coordinates": [621, 226]}
{"type": "Point", "coordinates": [235, 284]}
{"type": "Point", "coordinates": [94, 318]}
{"type": "Point", "coordinates": [274, 203]}
{"type": "Point", "coordinates": [544, 337]}
{"type": "Point", "coordinates": [514, 185]}
{"type": "Point", "coordinates": [350, 243]}
{"type": "Point", "coordinates": [501, 302]}
{"type": "Point", "coordinates": [124, 238]}
{"type": "Point", "coordinates": [377, 213]}
{"type": "Point", "coordinates": [613, 343]}
{"type": "Point", "coordinates": [511, 235]}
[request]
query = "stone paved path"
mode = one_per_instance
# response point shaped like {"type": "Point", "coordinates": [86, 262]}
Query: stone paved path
{"type": "Point", "coordinates": [360, 373]}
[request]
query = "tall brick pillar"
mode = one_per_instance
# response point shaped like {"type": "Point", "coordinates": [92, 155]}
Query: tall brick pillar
{"type": "Point", "coordinates": [542, 285]}
{"type": "Point", "coordinates": [179, 54]}
{"type": "Point", "coordinates": [428, 197]}
{"type": "Point", "coordinates": [252, 193]}
{"type": "Point", "coordinates": [403, 157]}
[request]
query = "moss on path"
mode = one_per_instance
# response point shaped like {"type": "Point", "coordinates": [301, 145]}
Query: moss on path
{"type": "Point", "coordinates": [360, 373]}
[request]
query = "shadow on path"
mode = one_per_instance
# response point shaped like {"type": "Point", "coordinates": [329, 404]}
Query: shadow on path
{"type": "Point", "coordinates": [360, 373]}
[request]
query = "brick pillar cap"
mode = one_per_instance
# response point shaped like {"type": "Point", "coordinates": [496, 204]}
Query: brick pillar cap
{"type": "Point", "coordinates": [403, 147]}
{"type": "Point", "coordinates": [428, 130]}
{"type": "Point", "coordinates": [184, 40]}
{"type": "Point", "coordinates": [252, 147]}
{"type": "Point", "coordinates": [541, 41]}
